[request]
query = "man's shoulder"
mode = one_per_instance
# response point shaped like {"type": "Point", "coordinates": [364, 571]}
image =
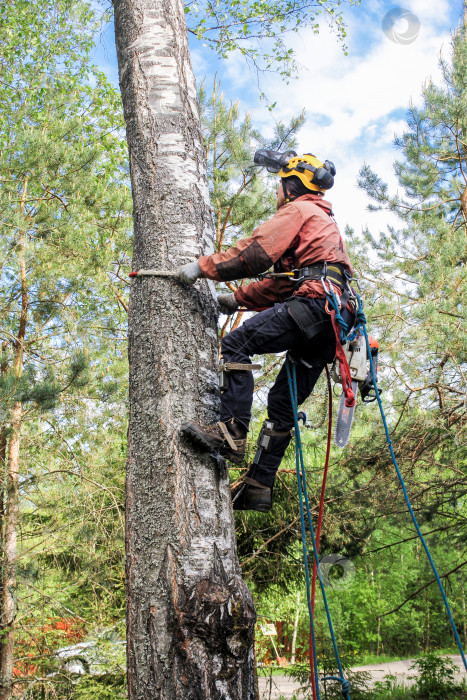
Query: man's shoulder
{"type": "Point", "coordinates": [311, 205]}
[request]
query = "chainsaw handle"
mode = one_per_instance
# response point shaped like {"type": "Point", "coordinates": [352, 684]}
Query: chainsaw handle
{"type": "Point", "coordinates": [368, 391]}
{"type": "Point", "coordinates": [371, 395]}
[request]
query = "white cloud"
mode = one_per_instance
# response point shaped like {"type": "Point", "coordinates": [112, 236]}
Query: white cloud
{"type": "Point", "coordinates": [362, 96]}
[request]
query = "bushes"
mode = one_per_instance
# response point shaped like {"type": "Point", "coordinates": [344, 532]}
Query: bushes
{"type": "Point", "coordinates": [436, 678]}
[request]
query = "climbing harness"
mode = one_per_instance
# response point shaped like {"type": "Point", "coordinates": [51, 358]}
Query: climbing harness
{"type": "Point", "coordinates": [297, 275]}
{"type": "Point", "coordinates": [305, 505]}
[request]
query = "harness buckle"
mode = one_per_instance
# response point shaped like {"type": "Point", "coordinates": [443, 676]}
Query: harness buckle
{"type": "Point", "coordinates": [296, 271]}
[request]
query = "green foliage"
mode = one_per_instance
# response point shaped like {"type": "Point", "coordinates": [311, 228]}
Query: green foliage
{"type": "Point", "coordinates": [106, 687]}
{"type": "Point", "coordinates": [256, 29]}
{"type": "Point", "coordinates": [242, 194]}
{"type": "Point", "coordinates": [390, 689]}
{"type": "Point", "coordinates": [423, 264]}
{"type": "Point", "coordinates": [435, 679]}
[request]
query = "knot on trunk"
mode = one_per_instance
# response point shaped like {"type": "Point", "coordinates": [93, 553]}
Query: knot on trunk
{"type": "Point", "coordinates": [213, 625]}
{"type": "Point", "coordinates": [221, 614]}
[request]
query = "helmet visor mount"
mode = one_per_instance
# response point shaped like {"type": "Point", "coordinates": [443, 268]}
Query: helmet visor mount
{"type": "Point", "coordinates": [273, 161]}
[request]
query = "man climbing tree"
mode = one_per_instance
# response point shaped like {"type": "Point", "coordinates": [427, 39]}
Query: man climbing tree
{"type": "Point", "coordinates": [190, 617]}
{"type": "Point", "coordinates": [304, 237]}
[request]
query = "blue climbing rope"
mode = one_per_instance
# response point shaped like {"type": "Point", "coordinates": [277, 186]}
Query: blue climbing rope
{"type": "Point", "coordinates": [360, 324]}
{"type": "Point", "coordinates": [304, 547]}
{"type": "Point", "coordinates": [409, 505]}
{"type": "Point", "coordinates": [303, 494]}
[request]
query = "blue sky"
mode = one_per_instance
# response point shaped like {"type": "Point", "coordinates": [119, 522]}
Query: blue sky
{"type": "Point", "coordinates": [355, 103]}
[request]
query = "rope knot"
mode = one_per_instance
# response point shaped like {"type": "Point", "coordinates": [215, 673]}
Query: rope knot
{"type": "Point", "coordinates": [345, 687]}
{"type": "Point", "coordinates": [345, 690]}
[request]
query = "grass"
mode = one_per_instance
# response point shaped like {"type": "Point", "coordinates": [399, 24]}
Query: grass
{"type": "Point", "coordinates": [372, 659]}
{"type": "Point", "coordinates": [266, 671]}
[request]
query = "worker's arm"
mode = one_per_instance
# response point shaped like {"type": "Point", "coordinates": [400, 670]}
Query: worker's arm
{"type": "Point", "coordinates": [261, 295]}
{"type": "Point", "coordinates": [254, 255]}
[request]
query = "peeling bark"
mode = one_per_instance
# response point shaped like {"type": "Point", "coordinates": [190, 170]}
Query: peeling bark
{"type": "Point", "coordinates": [190, 617]}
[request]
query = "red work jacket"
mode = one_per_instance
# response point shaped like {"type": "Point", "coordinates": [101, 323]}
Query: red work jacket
{"type": "Point", "coordinates": [301, 233]}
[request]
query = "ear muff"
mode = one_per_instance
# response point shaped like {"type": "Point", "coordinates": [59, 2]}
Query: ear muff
{"type": "Point", "coordinates": [323, 178]}
{"type": "Point", "coordinates": [329, 165]}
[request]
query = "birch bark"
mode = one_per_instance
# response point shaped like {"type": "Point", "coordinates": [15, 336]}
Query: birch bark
{"type": "Point", "coordinates": [190, 617]}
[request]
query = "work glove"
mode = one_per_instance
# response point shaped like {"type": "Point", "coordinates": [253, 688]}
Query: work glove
{"type": "Point", "coordinates": [190, 272]}
{"type": "Point", "coordinates": [227, 303]}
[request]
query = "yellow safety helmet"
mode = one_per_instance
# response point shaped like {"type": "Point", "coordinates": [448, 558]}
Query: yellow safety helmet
{"type": "Point", "coordinates": [314, 174]}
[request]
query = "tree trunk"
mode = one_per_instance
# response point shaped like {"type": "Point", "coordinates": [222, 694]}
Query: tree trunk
{"type": "Point", "coordinates": [295, 629]}
{"type": "Point", "coordinates": [464, 616]}
{"type": "Point", "coordinates": [190, 617]}
{"type": "Point", "coordinates": [3, 464]}
{"type": "Point", "coordinates": [8, 609]}
{"type": "Point", "coordinates": [11, 502]}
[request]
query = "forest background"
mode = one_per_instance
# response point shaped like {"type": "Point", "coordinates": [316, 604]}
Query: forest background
{"type": "Point", "coordinates": [65, 253]}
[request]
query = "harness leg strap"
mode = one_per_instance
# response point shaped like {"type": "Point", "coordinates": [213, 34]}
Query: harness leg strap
{"type": "Point", "coordinates": [226, 367]}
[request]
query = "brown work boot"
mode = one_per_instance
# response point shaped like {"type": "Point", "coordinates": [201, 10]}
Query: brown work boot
{"type": "Point", "coordinates": [250, 494]}
{"type": "Point", "coordinates": [229, 439]}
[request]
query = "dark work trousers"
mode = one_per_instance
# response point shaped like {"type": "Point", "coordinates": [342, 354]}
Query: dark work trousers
{"type": "Point", "coordinates": [271, 331]}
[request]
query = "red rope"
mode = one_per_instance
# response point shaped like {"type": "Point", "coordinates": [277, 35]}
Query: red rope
{"type": "Point", "coordinates": [320, 521]}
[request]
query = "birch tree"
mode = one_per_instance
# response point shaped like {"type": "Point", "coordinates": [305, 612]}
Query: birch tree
{"type": "Point", "coordinates": [190, 617]}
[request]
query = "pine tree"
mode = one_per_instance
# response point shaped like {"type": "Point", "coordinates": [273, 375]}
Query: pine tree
{"type": "Point", "coordinates": [424, 262]}
{"type": "Point", "coordinates": [416, 294]}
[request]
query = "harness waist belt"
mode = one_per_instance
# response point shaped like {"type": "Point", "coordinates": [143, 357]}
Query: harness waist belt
{"type": "Point", "coordinates": [332, 272]}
